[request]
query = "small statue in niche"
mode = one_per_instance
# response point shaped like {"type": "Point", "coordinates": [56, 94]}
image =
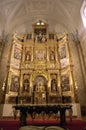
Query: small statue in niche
{"type": "Point", "coordinates": [28, 56]}
{"type": "Point", "coordinates": [40, 55]}
{"type": "Point", "coordinates": [26, 85]}
{"type": "Point", "coordinates": [52, 56]}
{"type": "Point", "coordinates": [44, 38]}
{"type": "Point", "coordinates": [40, 87]}
{"type": "Point", "coordinates": [65, 83]}
{"type": "Point", "coordinates": [40, 37]}
{"type": "Point", "coordinates": [36, 39]}
{"type": "Point", "coordinates": [43, 97]}
{"type": "Point", "coordinates": [53, 85]}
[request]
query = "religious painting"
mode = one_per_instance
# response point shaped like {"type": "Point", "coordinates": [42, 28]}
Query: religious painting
{"type": "Point", "coordinates": [65, 85]}
{"type": "Point", "coordinates": [40, 35]}
{"type": "Point", "coordinates": [40, 55]}
{"type": "Point", "coordinates": [26, 82]}
{"type": "Point", "coordinates": [14, 83]}
{"type": "Point", "coordinates": [62, 52]}
{"type": "Point", "coordinates": [17, 53]}
{"type": "Point", "coordinates": [64, 62]}
{"type": "Point", "coordinates": [28, 54]}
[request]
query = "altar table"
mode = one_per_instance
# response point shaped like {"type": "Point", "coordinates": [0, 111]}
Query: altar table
{"type": "Point", "coordinates": [33, 109]}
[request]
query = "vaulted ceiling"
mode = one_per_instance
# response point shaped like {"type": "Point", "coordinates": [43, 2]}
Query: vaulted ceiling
{"type": "Point", "coordinates": [19, 15]}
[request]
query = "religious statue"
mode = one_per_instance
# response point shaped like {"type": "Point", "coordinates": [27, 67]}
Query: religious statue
{"type": "Point", "coordinates": [28, 56]}
{"type": "Point", "coordinates": [26, 85]}
{"type": "Point", "coordinates": [40, 87]}
{"type": "Point", "coordinates": [52, 56]}
{"type": "Point", "coordinates": [53, 85]}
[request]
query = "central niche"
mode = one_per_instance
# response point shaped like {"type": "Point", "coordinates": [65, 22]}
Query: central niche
{"type": "Point", "coordinates": [40, 90]}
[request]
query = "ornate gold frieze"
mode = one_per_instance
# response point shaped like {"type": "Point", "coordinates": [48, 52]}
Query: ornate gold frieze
{"type": "Point", "coordinates": [40, 72]}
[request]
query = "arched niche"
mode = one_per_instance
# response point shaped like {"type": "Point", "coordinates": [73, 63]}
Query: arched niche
{"type": "Point", "coordinates": [40, 90]}
{"type": "Point", "coordinates": [41, 82]}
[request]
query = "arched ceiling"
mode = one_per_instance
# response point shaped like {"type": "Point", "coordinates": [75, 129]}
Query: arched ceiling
{"type": "Point", "coordinates": [19, 15]}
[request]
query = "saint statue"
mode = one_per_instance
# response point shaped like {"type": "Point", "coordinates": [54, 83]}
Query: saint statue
{"type": "Point", "coordinates": [28, 56]}
{"type": "Point", "coordinates": [52, 56]}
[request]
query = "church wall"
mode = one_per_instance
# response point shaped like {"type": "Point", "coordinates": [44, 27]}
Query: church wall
{"type": "Point", "coordinates": [79, 76]}
{"type": "Point", "coordinates": [83, 49]}
{"type": "Point", "coordinates": [4, 63]}
{"type": "Point", "coordinates": [3, 71]}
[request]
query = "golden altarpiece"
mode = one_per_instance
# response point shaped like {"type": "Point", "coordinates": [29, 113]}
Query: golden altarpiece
{"type": "Point", "coordinates": [40, 68]}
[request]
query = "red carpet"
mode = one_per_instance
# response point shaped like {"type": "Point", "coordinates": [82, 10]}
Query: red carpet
{"type": "Point", "coordinates": [14, 124]}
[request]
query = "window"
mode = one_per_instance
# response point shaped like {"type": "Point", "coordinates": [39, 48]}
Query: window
{"type": "Point", "coordinates": [83, 13]}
